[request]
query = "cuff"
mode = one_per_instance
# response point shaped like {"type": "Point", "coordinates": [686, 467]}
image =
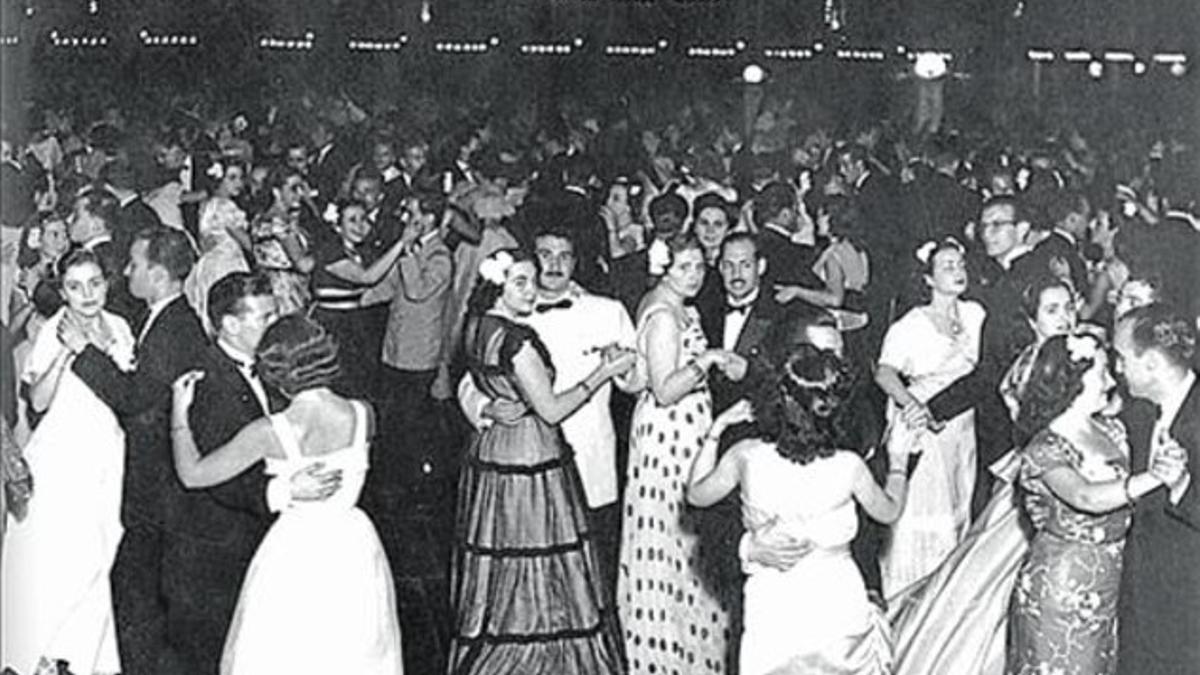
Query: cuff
{"type": "Point", "coordinates": [279, 494]}
{"type": "Point", "coordinates": [1176, 495]}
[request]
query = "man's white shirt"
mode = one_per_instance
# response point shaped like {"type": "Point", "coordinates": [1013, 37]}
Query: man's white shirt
{"type": "Point", "coordinates": [573, 336]}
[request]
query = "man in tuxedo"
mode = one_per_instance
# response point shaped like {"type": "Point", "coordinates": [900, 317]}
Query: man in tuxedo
{"type": "Point", "coordinates": [90, 226]}
{"type": "Point", "coordinates": [132, 214]}
{"type": "Point", "coordinates": [170, 343]}
{"type": "Point", "coordinates": [212, 534]}
{"type": "Point", "coordinates": [741, 317]}
{"type": "Point", "coordinates": [331, 162]}
{"type": "Point", "coordinates": [789, 251]}
{"type": "Point", "coordinates": [1159, 608]}
{"type": "Point", "coordinates": [1062, 252]}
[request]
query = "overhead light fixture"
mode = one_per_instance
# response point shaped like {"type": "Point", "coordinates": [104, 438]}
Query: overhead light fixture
{"type": "Point", "coordinates": [930, 65]}
{"type": "Point", "coordinates": [754, 74]}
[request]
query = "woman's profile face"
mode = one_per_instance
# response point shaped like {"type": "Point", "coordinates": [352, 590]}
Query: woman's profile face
{"type": "Point", "coordinates": [1056, 313]}
{"type": "Point", "coordinates": [685, 276]}
{"type": "Point", "coordinates": [520, 288]}
{"type": "Point", "coordinates": [948, 273]}
{"type": "Point", "coordinates": [84, 289]}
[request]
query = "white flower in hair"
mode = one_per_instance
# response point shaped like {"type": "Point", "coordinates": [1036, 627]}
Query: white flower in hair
{"type": "Point", "coordinates": [34, 239]}
{"type": "Point", "coordinates": [925, 251]}
{"type": "Point", "coordinates": [1080, 347]}
{"type": "Point", "coordinates": [496, 266]}
{"type": "Point", "coordinates": [216, 171]}
{"type": "Point", "coordinates": [659, 257]}
{"type": "Point", "coordinates": [331, 213]}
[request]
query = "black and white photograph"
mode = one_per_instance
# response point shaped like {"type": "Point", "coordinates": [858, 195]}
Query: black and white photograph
{"type": "Point", "coordinates": [599, 337]}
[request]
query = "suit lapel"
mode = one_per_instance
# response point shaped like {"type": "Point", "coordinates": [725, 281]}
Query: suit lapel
{"type": "Point", "coordinates": [1187, 423]}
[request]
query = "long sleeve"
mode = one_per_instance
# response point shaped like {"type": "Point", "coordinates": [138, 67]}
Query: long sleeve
{"type": "Point", "coordinates": [967, 391]}
{"type": "Point", "coordinates": [128, 393]}
{"type": "Point", "coordinates": [1187, 508]}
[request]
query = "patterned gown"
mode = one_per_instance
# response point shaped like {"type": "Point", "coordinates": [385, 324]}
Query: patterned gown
{"type": "Point", "coordinates": [1064, 611]}
{"type": "Point", "coordinates": [527, 594]}
{"type": "Point", "coordinates": [673, 622]}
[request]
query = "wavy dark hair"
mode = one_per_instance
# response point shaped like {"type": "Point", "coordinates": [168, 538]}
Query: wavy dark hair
{"type": "Point", "coordinates": [1053, 383]}
{"type": "Point", "coordinates": [797, 405]}
{"type": "Point", "coordinates": [297, 354]}
{"type": "Point", "coordinates": [1031, 294]}
{"type": "Point", "coordinates": [483, 297]}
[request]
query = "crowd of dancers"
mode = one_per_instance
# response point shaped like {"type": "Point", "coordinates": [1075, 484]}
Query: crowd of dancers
{"type": "Point", "coordinates": [817, 399]}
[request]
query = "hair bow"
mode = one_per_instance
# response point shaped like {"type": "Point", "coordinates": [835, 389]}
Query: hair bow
{"type": "Point", "coordinates": [659, 257]}
{"type": "Point", "coordinates": [495, 267]}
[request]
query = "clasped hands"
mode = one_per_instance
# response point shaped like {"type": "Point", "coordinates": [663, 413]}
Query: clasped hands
{"type": "Point", "coordinates": [916, 415]}
{"type": "Point", "coordinates": [76, 335]}
{"type": "Point", "coordinates": [733, 365]}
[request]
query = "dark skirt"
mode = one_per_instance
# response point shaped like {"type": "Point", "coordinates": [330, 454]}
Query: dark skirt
{"type": "Point", "coordinates": [527, 593]}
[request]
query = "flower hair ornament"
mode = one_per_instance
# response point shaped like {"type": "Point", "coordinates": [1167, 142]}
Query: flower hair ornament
{"type": "Point", "coordinates": [34, 238]}
{"type": "Point", "coordinates": [331, 214]}
{"type": "Point", "coordinates": [1081, 346]}
{"type": "Point", "coordinates": [216, 171]}
{"type": "Point", "coordinates": [494, 268]}
{"type": "Point", "coordinates": [659, 257]}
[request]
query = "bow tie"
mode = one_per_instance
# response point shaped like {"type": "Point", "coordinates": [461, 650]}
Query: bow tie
{"type": "Point", "coordinates": [739, 309]}
{"type": "Point", "coordinates": [561, 304]}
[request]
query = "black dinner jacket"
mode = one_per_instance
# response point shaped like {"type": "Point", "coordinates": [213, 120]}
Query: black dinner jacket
{"type": "Point", "coordinates": [1160, 581]}
{"type": "Point", "coordinates": [234, 514]}
{"type": "Point", "coordinates": [762, 314]}
{"type": "Point", "coordinates": [173, 345]}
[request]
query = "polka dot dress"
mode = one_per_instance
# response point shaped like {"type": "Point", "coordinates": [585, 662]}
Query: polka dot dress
{"type": "Point", "coordinates": [672, 624]}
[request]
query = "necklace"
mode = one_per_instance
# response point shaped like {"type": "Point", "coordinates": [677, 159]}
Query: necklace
{"type": "Point", "coordinates": [949, 324]}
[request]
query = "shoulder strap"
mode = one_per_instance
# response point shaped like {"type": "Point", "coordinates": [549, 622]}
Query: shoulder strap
{"type": "Point", "coordinates": [286, 435]}
{"type": "Point", "coordinates": [360, 423]}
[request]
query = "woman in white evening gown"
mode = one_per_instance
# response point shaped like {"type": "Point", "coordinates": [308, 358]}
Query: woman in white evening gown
{"type": "Point", "coordinates": [956, 619]}
{"type": "Point", "coordinates": [815, 616]}
{"type": "Point", "coordinates": [923, 352]}
{"type": "Point", "coordinates": [318, 597]}
{"type": "Point", "coordinates": [56, 600]}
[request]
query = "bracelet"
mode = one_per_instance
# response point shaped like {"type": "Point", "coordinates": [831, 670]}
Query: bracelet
{"type": "Point", "coordinates": [1129, 498]}
{"type": "Point", "coordinates": [176, 428]}
{"type": "Point", "coordinates": [587, 389]}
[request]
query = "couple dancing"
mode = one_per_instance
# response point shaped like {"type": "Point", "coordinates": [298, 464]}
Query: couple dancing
{"type": "Point", "coordinates": [1081, 573]}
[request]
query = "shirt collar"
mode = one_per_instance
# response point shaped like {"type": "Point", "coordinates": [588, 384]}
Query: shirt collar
{"type": "Point", "coordinates": [574, 292]}
{"type": "Point", "coordinates": [1170, 407]}
{"type": "Point", "coordinates": [575, 189]}
{"type": "Point", "coordinates": [1017, 251]}
{"type": "Point", "coordinates": [744, 302]}
{"type": "Point", "coordinates": [240, 358]}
